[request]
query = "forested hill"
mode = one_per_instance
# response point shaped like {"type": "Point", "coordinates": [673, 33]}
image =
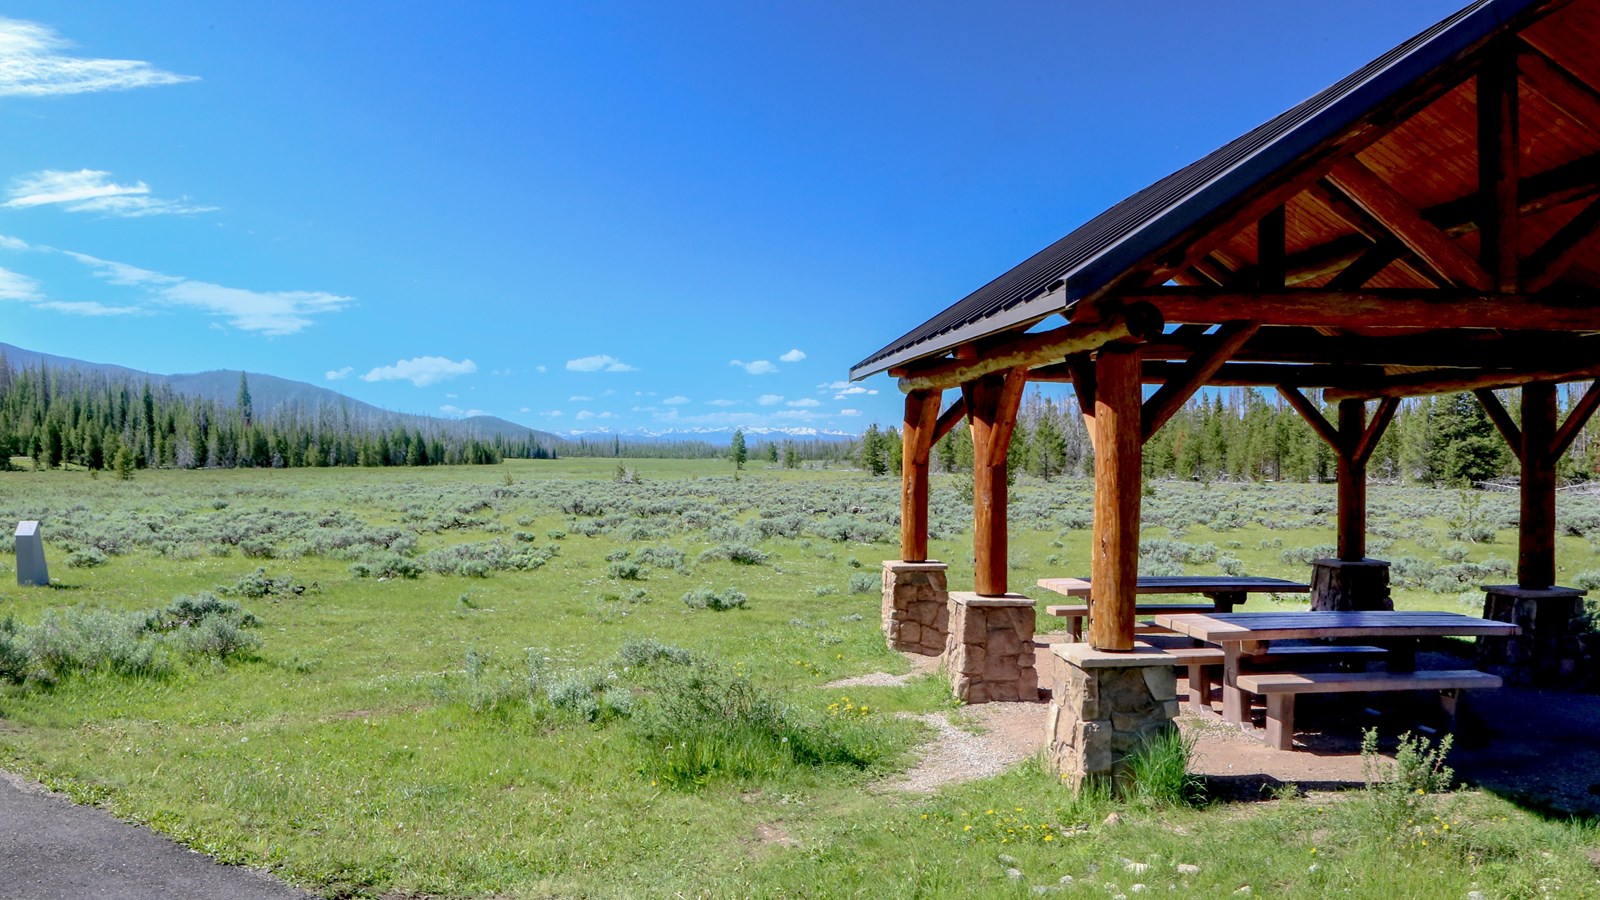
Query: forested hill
{"type": "Point", "coordinates": [58, 411]}
{"type": "Point", "coordinates": [272, 394]}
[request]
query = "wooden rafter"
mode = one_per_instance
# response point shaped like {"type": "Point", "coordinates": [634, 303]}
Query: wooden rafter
{"type": "Point", "coordinates": [1196, 373]}
{"type": "Point", "coordinates": [1503, 423]}
{"type": "Point", "coordinates": [1559, 87]}
{"type": "Point", "coordinates": [1499, 166]}
{"type": "Point", "coordinates": [1577, 417]}
{"type": "Point", "coordinates": [1406, 223]}
{"type": "Point", "coordinates": [1547, 190]}
{"type": "Point", "coordinates": [1386, 308]}
{"type": "Point", "coordinates": [1239, 374]}
{"type": "Point", "coordinates": [1080, 371]}
{"type": "Point", "coordinates": [1546, 265]}
{"type": "Point", "coordinates": [1366, 267]}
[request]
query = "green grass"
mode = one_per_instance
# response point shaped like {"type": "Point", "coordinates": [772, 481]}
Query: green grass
{"type": "Point", "coordinates": [385, 738]}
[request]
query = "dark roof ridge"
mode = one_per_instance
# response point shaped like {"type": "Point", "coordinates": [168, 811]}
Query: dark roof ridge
{"type": "Point", "coordinates": [1093, 254]}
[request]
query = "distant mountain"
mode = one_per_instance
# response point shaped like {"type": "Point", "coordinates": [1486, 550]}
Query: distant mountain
{"type": "Point", "coordinates": [269, 393]}
{"type": "Point", "coordinates": [714, 435]}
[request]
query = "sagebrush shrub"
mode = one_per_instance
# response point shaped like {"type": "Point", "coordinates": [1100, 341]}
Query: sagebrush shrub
{"type": "Point", "coordinates": [706, 598]}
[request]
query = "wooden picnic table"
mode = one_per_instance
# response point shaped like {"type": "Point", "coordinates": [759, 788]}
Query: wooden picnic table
{"type": "Point", "coordinates": [1241, 634]}
{"type": "Point", "coordinates": [1224, 591]}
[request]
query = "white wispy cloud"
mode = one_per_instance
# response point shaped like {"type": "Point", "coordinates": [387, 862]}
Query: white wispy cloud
{"type": "Point", "coordinates": [422, 370]}
{"type": "Point", "coordinates": [268, 312]}
{"type": "Point", "coordinates": [540, 369]}
{"type": "Point", "coordinates": [91, 190]}
{"type": "Point", "coordinates": [805, 402]}
{"type": "Point", "coordinates": [552, 414]}
{"type": "Point", "coordinates": [849, 412]}
{"type": "Point", "coordinates": [676, 400]}
{"type": "Point", "coordinates": [585, 414]}
{"type": "Point", "coordinates": [458, 412]}
{"type": "Point", "coordinates": [770, 399]}
{"type": "Point", "coordinates": [339, 374]}
{"type": "Point", "coordinates": [579, 398]}
{"type": "Point", "coordinates": [720, 402]}
{"type": "Point", "coordinates": [793, 356]}
{"type": "Point", "coordinates": [7, 242]}
{"type": "Point", "coordinates": [17, 286]}
{"type": "Point", "coordinates": [34, 63]}
{"type": "Point", "coordinates": [755, 367]}
{"type": "Point", "coordinates": [89, 308]}
{"type": "Point", "coordinates": [600, 363]}
{"type": "Point", "coordinates": [833, 385]}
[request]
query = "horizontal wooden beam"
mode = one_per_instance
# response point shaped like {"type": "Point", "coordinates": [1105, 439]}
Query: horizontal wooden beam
{"type": "Point", "coordinates": [1239, 374]}
{"type": "Point", "coordinates": [1461, 348]}
{"type": "Point", "coordinates": [1027, 350]}
{"type": "Point", "coordinates": [1546, 265]}
{"type": "Point", "coordinates": [1387, 308]}
{"type": "Point", "coordinates": [1459, 380]}
{"type": "Point", "coordinates": [1564, 184]}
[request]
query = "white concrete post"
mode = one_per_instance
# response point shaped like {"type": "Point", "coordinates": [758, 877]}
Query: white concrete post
{"type": "Point", "coordinates": [31, 571]}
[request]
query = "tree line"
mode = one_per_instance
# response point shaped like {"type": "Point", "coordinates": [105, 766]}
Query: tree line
{"type": "Point", "coordinates": [61, 416]}
{"type": "Point", "coordinates": [1246, 434]}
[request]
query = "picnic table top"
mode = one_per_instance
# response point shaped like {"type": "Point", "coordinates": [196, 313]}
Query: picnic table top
{"type": "Point", "coordinates": [1218, 628]}
{"type": "Point", "coordinates": [1185, 584]}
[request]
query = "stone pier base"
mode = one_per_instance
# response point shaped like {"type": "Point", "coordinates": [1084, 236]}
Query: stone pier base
{"type": "Point", "coordinates": [989, 653]}
{"type": "Point", "coordinates": [916, 606]}
{"type": "Point", "coordinates": [1339, 585]}
{"type": "Point", "coordinates": [1555, 648]}
{"type": "Point", "coordinates": [1104, 706]}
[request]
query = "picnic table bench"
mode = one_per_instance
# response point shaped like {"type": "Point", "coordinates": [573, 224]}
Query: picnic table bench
{"type": "Point", "coordinates": [1249, 634]}
{"type": "Point", "coordinates": [1224, 592]}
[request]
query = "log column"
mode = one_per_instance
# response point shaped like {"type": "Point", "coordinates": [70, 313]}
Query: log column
{"type": "Point", "coordinates": [1351, 474]}
{"type": "Point", "coordinates": [1536, 551]}
{"type": "Point", "coordinates": [992, 402]}
{"type": "Point", "coordinates": [1118, 460]}
{"type": "Point", "coordinates": [916, 594]}
{"type": "Point", "coordinates": [1554, 648]}
{"type": "Point", "coordinates": [922, 415]}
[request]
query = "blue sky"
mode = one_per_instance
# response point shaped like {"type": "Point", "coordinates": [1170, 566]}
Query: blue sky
{"type": "Point", "coordinates": [594, 215]}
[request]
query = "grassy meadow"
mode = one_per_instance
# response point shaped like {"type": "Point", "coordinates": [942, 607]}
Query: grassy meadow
{"type": "Point", "coordinates": [470, 681]}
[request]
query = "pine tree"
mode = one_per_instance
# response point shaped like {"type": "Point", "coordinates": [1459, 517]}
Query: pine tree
{"type": "Point", "coordinates": [873, 458]}
{"type": "Point", "coordinates": [737, 451]}
{"type": "Point", "coordinates": [247, 409]}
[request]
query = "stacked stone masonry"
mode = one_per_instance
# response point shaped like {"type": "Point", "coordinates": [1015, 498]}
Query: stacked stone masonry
{"type": "Point", "coordinates": [1104, 707]}
{"type": "Point", "coordinates": [916, 606]}
{"type": "Point", "coordinates": [989, 653]}
{"type": "Point", "coordinates": [1557, 647]}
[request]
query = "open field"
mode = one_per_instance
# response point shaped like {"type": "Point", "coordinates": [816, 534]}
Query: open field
{"type": "Point", "coordinates": [390, 733]}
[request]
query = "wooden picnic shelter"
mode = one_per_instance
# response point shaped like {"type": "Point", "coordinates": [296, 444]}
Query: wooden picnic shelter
{"type": "Point", "coordinates": [1429, 224]}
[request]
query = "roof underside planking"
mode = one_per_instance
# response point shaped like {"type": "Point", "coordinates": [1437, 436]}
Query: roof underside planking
{"type": "Point", "coordinates": [1377, 240]}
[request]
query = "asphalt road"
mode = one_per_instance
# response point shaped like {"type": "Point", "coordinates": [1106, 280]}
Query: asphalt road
{"type": "Point", "coordinates": [51, 849]}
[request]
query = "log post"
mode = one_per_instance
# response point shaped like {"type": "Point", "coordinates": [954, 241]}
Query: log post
{"type": "Point", "coordinates": [1118, 460]}
{"type": "Point", "coordinates": [922, 415]}
{"type": "Point", "coordinates": [1352, 481]}
{"type": "Point", "coordinates": [1536, 555]}
{"type": "Point", "coordinates": [992, 402]}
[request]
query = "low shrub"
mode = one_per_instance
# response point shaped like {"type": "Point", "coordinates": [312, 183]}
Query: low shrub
{"type": "Point", "coordinates": [743, 554]}
{"type": "Point", "coordinates": [87, 558]}
{"type": "Point", "coordinates": [1158, 772]}
{"type": "Point", "coordinates": [706, 598]}
{"type": "Point", "coordinates": [387, 565]}
{"type": "Point", "coordinates": [697, 722]}
{"type": "Point", "coordinates": [257, 585]}
{"type": "Point", "coordinates": [866, 583]}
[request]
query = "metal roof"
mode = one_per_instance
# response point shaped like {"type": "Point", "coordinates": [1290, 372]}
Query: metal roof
{"type": "Point", "coordinates": [1107, 245]}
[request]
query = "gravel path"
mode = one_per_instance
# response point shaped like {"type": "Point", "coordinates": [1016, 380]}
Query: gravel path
{"type": "Point", "coordinates": [1007, 733]}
